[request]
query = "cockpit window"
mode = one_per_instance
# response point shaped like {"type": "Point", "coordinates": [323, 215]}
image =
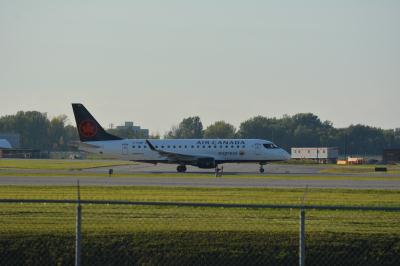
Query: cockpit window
{"type": "Point", "coordinates": [270, 146]}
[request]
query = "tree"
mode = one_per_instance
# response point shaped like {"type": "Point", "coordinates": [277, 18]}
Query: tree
{"type": "Point", "coordinates": [38, 132]}
{"type": "Point", "coordinates": [261, 127]}
{"type": "Point", "coordinates": [304, 129]}
{"type": "Point", "coordinates": [31, 125]}
{"type": "Point", "coordinates": [220, 130]}
{"type": "Point", "coordinates": [189, 128]}
{"type": "Point", "coordinates": [56, 132]}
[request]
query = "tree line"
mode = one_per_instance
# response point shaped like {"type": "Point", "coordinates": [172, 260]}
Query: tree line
{"type": "Point", "coordinates": [37, 131]}
{"type": "Point", "coordinates": [301, 130]}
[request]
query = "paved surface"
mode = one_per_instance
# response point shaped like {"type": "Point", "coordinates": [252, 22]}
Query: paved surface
{"type": "Point", "coordinates": [234, 168]}
{"type": "Point", "coordinates": [202, 182]}
{"type": "Point", "coordinates": [277, 176]}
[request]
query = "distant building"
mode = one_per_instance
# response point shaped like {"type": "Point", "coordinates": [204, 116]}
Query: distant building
{"type": "Point", "coordinates": [136, 129]}
{"type": "Point", "coordinates": [4, 144]}
{"type": "Point", "coordinates": [355, 160]}
{"type": "Point", "coordinates": [22, 153]}
{"type": "Point", "coordinates": [391, 156]}
{"type": "Point", "coordinates": [319, 154]}
{"type": "Point", "coordinates": [13, 138]}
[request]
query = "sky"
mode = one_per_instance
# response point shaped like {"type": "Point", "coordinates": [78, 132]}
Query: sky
{"type": "Point", "coordinates": [157, 62]}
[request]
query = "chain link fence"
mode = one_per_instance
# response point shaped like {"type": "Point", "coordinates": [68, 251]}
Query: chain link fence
{"type": "Point", "coordinates": [43, 232]}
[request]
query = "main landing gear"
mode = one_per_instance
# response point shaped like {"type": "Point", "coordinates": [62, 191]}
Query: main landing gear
{"type": "Point", "coordinates": [181, 168]}
{"type": "Point", "coordinates": [219, 171]}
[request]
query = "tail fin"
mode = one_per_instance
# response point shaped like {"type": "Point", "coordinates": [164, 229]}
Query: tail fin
{"type": "Point", "coordinates": [88, 128]}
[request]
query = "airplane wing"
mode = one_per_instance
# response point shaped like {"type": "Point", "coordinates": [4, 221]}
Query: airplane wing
{"type": "Point", "coordinates": [172, 156]}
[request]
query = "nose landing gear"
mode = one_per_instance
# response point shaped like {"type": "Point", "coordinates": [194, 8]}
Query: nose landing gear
{"type": "Point", "coordinates": [262, 168]}
{"type": "Point", "coordinates": [181, 168]}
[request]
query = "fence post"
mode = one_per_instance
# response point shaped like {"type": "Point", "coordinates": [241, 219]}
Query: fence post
{"type": "Point", "coordinates": [78, 230]}
{"type": "Point", "coordinates": [302, 242]}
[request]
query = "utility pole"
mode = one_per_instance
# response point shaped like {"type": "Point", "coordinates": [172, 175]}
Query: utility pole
{"type": "Point", "coordinates": [78, 228]}
{"type": "Point", "coordinates": [302, 231]}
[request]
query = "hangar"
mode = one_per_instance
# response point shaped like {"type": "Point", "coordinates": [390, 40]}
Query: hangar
{"type": "Point", "coordinates": [4, 144]}
{"type": "Point", "coordinates": [13, 138]}
{"type": "Point", "coordinates": [21, 153]}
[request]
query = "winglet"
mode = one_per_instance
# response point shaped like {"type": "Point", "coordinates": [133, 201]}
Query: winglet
{"type": "Point", "coordinates": [150, 145]}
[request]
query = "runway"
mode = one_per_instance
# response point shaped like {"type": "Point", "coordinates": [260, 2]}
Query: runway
{"type": "Point", "coordinates": [199, 182]}
{"type": "Point", "coordinates": [232, 168]}
{"type": "Point", "coordinates": [240, 176]}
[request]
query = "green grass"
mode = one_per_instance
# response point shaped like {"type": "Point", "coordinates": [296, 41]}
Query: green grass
{"type": "Point", "coordinates": [43, 164]}
{"type": "Point", "coordinates": [29, 217]}
{"type": "Point", "coordinates": [210, 195]}
{"type": "Point", "coordinates": [151, 235]}
{"type": "Point", "coordinates": [360, 169]}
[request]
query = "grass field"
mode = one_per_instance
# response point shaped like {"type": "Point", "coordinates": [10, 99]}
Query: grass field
{"type": "Point", "coordinates": [43, 234]}
{"type": "Point", "coordinates": [42, 164]}
{"type": "Point", "coordinates": [346, 197]}
{"type": "Point", "coordinates": [174, 218]}
{"type": "Point", "coordinates": [149, 235]}
{"type": "Point", "coordinates": [359, 169]}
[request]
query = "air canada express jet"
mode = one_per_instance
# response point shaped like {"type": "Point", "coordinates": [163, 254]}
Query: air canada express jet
{"type": "Point", "coordinates": [203, 153]}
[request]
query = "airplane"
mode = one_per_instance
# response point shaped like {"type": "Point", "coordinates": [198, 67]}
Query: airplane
{"type": "Point", "coordinates": [202, 153]}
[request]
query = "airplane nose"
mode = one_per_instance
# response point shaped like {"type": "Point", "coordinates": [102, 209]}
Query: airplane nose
{"type": "Point", "coordinates": [285, 155]}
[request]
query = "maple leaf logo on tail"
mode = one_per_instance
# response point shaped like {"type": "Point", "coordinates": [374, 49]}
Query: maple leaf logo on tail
{"type": "Point", "coordinates": [88, 128]}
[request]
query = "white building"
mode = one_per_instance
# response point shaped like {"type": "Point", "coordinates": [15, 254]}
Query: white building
{"type": "Point", "coordinates": [320, 154]}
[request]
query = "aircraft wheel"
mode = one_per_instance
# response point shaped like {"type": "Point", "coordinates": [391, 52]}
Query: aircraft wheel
{"type": "Point", "coordinates": [262, 170]}
{"type": "Point", "coordinates": [181, 168]}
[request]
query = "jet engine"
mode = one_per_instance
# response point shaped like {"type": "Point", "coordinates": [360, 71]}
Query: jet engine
{"type": "Point", "coordinates": [206, 163]}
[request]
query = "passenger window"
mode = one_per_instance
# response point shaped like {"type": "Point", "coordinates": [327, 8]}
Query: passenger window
{"type": "Point", "coordinates": [162, 147]}
{"type": "Point", "coordinates": [204, 146]}
{"type": "Point", "coordinates": [215, 146]}
{"type": "Point", "coordinates": [168, 147]}
{"type": "Point", "coordinates": [192, 147]}
{"type": "Point", "coordinates": [174, 147]}
{"type": "Point", "coordinates": [139, 147]}
{"type": "Point", "coordinates": [133, 147]}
